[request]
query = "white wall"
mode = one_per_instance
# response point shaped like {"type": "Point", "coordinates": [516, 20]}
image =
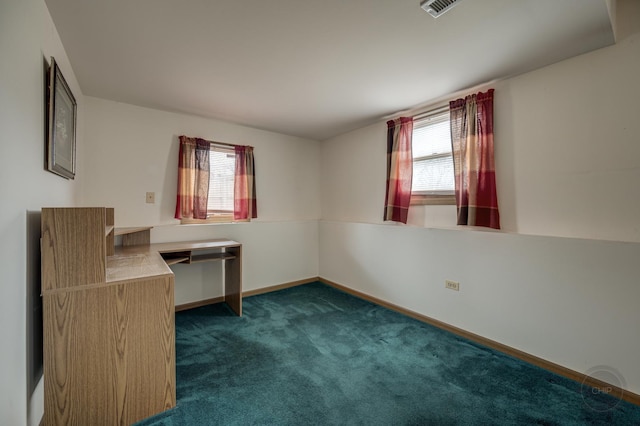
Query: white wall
{"type": "Point", "coordinates": [568, 165]}
{"type": "Point", "coordinates": [28, 38]}
{"type": "Point", "coordinates": [566, 152]}
{"type": "Point", "coordinates": [133, 150]}
{"type": "Point", "coordinates": [569, 157]}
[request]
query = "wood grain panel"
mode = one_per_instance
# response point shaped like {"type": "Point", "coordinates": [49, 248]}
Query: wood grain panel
{"type": "Point", "coordinates": [110, 354]}
{"type": "Point", "coordinates": [233, 280]}
{"type": "Point", "coordinates": [73, 247]}
{"type": "Point", "coordinates": [110, 221]}
{"type": "Point", "coordinates": [199, 303]}
{"type": "Point", "coordinates": [279, 287]}
{"type": "Point", "coordinates": [131, 229]}
{"type": "Point", "coordinates": [136, 238]}
{"type": "Point", "coordinates": [192, 245]}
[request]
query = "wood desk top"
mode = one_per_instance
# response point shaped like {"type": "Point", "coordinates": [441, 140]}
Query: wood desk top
{"type": "Point", "coordinates": [140, 261]}
{"type": "Point", "coordinates": [129, 266]}
{"type": "Point", "coordinates": [177, 246]}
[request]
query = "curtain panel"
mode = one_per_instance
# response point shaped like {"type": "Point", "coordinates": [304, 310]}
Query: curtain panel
{"type": "Point", "coordinates": [193, 178]}
{"type": "Point", "coordinates": [244, 185]}
{"type": "Point", "coordinates": [399, 169]}
{"type": "Point", "coordinates": [474, 168]}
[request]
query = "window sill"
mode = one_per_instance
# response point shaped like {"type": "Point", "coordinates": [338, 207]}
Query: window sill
{"type": "Point", "coordinates": [222, 219]}
{"type": "Point", "coordinates": [432, 200]}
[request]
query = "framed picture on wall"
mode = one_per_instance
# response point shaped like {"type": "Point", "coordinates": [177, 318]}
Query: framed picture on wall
{"type": "Point", "coordinates": [61, 138]}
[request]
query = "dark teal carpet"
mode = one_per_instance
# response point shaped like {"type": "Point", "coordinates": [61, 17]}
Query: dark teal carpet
{"type": "Point", "coordinates": [312, 355]}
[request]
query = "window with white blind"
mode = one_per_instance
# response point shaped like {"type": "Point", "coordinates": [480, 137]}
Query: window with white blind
{"type": "Point", "coordinates": [433, 175]}
{"type": "Point", "coordinates": [222, 166]}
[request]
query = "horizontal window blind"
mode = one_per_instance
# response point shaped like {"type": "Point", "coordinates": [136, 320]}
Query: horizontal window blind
{"type": "Point", "coordinates": [432, 160]}
{"type": "Point", "coordinates": [433, 175]}
{"type": "Point", "coordinates": [222, 165]}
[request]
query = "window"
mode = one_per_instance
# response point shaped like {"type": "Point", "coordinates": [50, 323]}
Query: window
{"type": "Point", "coordinates": [227, 172]}
{"type": "Point", "coordinates": [433, 175]}
{"type": "Point", "coordinates": [222, 166]}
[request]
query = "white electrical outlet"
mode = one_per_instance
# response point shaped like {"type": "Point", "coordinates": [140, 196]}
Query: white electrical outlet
{"type": "Point", "coordinates": [151, 197]}
{"type": "Point", "coordinates": [452, 285]}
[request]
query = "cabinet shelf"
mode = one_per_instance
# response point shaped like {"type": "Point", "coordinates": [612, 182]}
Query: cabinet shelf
{"type": "Point", "coordinates": [211, 256]}
{"type": "Point", "coordinates": [175, 260]}
{"type": "Point", "coordinates": [132, 229]}
{"type": "Point", "coordinates": [172, 258]}
{"type": "Point", "coordinates": [135, 235]}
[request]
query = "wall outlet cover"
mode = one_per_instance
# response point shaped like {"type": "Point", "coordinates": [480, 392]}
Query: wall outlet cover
{"type": "Point", "coordinates": [452, 285]}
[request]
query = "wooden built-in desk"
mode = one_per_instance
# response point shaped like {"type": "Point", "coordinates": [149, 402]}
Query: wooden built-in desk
{"type": "Point", "coordinates": [187, 252]}
{"type": "Point", "coordinates": [109, 329]}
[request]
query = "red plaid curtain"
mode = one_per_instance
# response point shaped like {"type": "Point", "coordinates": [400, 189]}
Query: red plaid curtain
{"type": "Point", "coordinates": [475, 176]}
{"type": "Point", "coordinates": [193, 178]}
{"type": "Point", "coordinates": [244, 185]}
{"type": "Point", "coordinates": [399, 169]}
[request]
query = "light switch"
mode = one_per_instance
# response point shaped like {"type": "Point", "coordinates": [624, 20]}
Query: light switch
{"type": "Point", "coordinates": [151, 197]}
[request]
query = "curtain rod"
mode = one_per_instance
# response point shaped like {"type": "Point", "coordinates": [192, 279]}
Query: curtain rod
{"type": "Point", "coordinates": [219, 143]}
{"type": "Point", "coordinates": [222, 143]}
{"type": "Point", "coordinates": [431, 112]}
{"type": "Point", "coordinates": [438, 102]}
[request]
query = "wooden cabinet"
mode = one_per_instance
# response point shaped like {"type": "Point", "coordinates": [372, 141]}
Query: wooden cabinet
{"type": "Point", "coordinates": [109, 336]}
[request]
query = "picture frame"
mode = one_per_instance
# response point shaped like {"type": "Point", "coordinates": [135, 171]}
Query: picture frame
{"type": "Point", "coordinates": [61, 123]}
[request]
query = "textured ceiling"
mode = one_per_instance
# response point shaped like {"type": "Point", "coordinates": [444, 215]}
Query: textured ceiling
{"type": "Point", "coordinates": [313, 69]}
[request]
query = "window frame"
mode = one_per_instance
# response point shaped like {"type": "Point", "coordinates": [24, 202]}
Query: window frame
{"type": "Point", "coordinates": [432, 197]}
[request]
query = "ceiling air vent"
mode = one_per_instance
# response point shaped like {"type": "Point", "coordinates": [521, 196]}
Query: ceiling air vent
{"type": "Point", "coordinates": [436, 8]}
